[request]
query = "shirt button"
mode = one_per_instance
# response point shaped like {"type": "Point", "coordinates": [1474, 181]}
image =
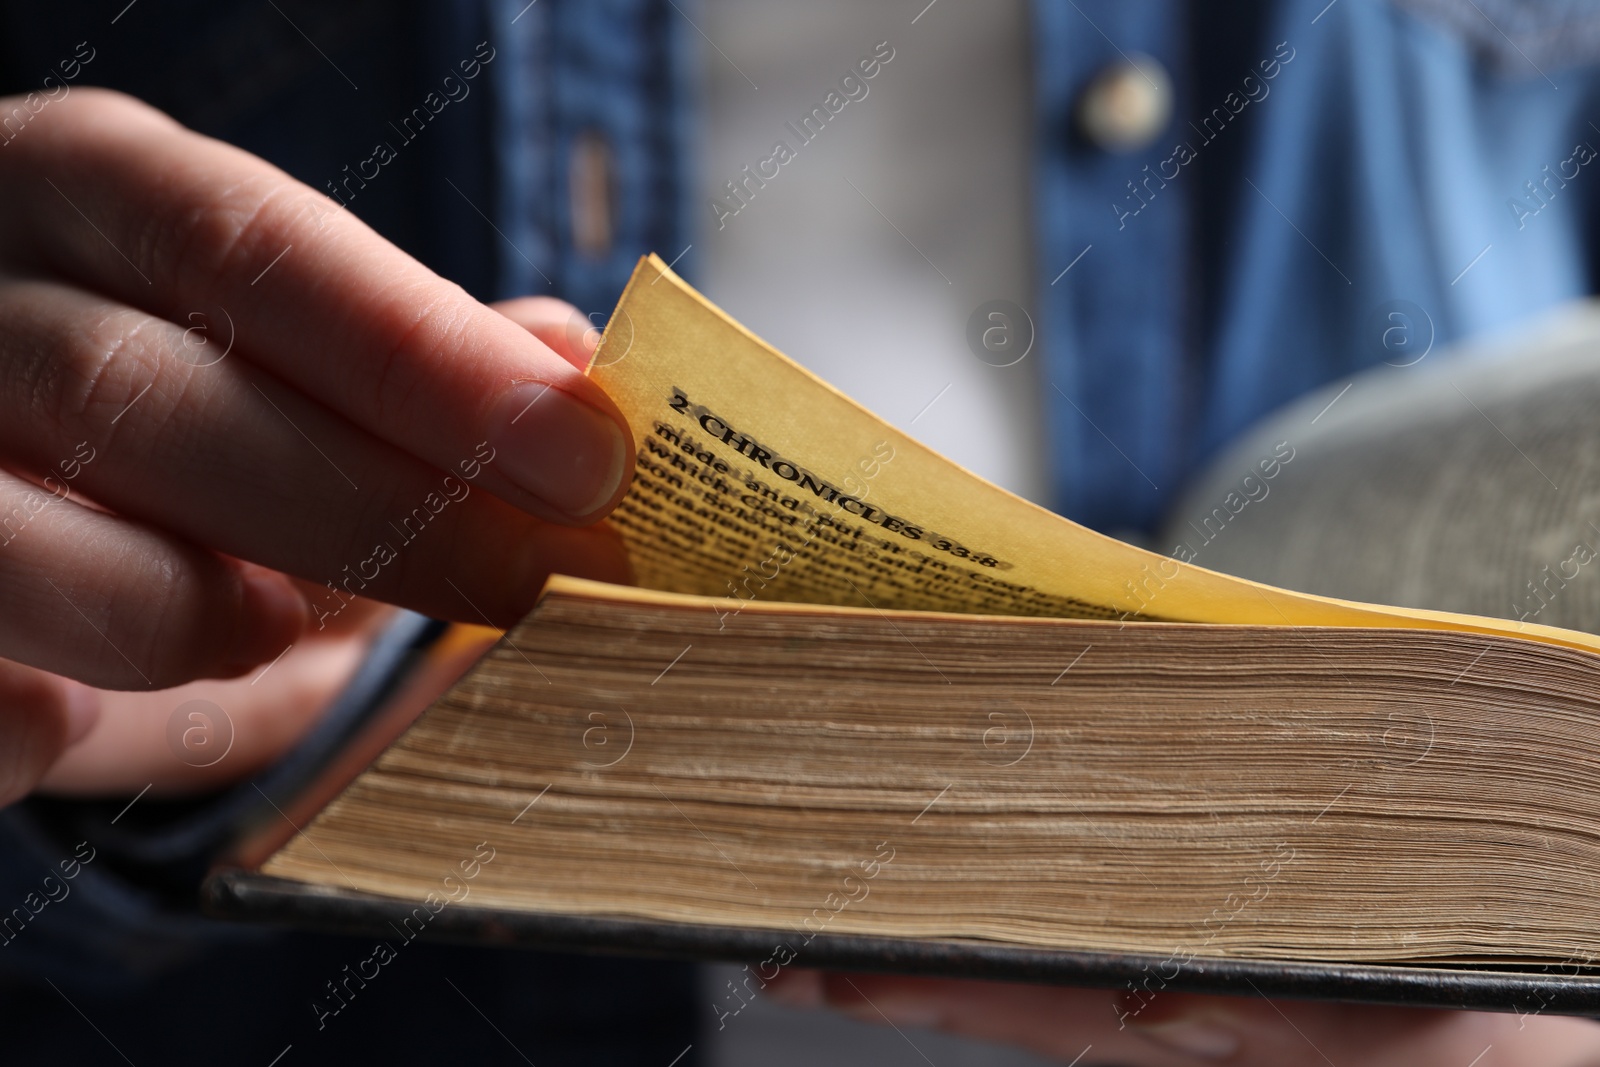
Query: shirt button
{"type": "Point", "coordinates": [589, 185]}
{"type": "Point", "coordinates": [1126, 105]}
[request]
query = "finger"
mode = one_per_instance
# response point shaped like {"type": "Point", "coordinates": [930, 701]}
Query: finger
{"type": "Point", "coordinates": [100, 398]}
{"type": "Point", "coordinates": [1171, 1028]}
{"type": "Point", "coordinates": [557, 323]}
{"type": "Point", "coordinates": [115, 194]}
{"type": "Point", "coordinates": [40, 715]}
{"type": "Point", "coordinates": [1272, 1031]}
{"type": "Point", "coordinates": [1070, 1024]}
{"type": "Point", "coordinates": [1064, 1024]}
{"type": "Point", "coordinates": [120, 605]}
{"type": "Point", "coordinates": [359, 616]}
{"type": "Point", "coordinates": [206, 734]}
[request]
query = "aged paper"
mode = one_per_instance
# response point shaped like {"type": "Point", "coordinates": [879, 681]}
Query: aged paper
{"type": "Point", "coordinates": [755, 480]}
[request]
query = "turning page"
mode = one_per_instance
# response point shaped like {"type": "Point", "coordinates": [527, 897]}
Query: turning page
{"type": "Point", "coordinates": [756, 480]}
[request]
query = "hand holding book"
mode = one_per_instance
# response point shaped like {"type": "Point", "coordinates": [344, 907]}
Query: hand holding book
{"type": "Point", "coordinates": [205, 363]}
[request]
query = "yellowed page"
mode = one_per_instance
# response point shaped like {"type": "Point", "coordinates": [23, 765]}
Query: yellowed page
{"type": "Point", "coordinates": [755, 480]}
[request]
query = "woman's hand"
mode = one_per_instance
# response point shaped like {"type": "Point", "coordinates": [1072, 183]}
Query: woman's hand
{"type": "Point", "coordinates": [211, 377]}
{"type": "Point", "coordinates": [1086, 1027]}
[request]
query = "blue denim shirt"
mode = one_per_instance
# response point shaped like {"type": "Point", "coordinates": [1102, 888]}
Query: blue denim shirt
{"type": "Point", "coordinates": [1388, 159]}
{"type": "Point", "coordinates": [1409, 150]}
{"type": "Point", "coordinates": [1427, 151]}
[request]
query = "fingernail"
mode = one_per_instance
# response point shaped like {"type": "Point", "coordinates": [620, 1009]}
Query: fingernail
{"type": "Point", "coordinates": [82, 706]}
{"type": "Point", "coordinates": [273, 615]}
{"type": "Point", "coordinates": [1202, 1040]}
{"type": "Point", "coordinates": [566, 453]}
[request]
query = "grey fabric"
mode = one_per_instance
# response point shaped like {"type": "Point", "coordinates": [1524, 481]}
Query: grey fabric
{"type": "Point", "coordinates": [1518, 38]}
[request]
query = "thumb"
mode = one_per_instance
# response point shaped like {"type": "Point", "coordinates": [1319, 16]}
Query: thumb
{"type": "Point", "coordinates": [40, 715]}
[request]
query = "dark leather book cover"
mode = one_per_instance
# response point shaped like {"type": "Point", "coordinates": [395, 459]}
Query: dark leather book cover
{"type": "Point", "coordinates": [1560, 989]}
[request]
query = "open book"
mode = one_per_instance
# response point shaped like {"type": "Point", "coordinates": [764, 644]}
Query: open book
{"type": "Point", "coordinates": [866, 709]}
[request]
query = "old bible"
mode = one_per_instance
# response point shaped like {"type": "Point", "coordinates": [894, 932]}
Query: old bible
{"type": "Point", "coordinates": [862, 708]}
